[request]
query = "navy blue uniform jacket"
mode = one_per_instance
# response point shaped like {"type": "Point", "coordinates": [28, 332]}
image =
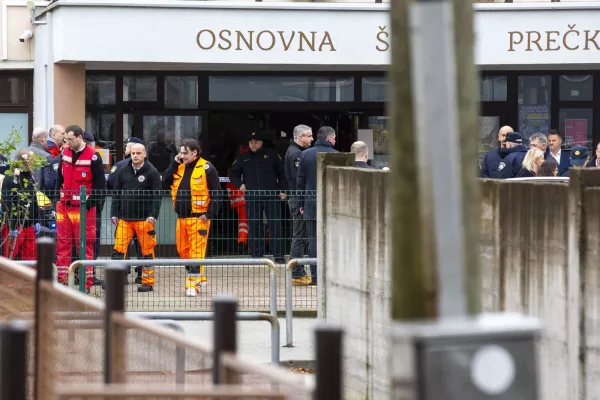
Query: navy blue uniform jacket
{"type": "Point", "coordinates": [307, 176]}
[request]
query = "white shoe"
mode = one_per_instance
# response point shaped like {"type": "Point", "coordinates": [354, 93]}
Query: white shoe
{"type": "Point", "coordinates": [191, 292]}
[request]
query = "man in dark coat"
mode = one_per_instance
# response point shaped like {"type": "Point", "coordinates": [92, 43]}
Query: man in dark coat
{"type": "Point", "coordinates": [260, 174]}
{"type": "Point", "coordinates": [307, 180]}
{"type": "Point", "coordinates": [361, 154]}
{"type": "Point", "coordinates": [513, 162]}
{"type": "Point", "coordinates": [303, 137]}
{"type": "Point", "coordinates": [493, 158]}
{"type": "Point", "coordinates": [562, 157]}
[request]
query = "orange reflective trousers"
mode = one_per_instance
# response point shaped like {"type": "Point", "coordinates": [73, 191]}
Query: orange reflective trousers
{"type": "Point", "coordinates": [147, 239]}
{"type": "Point", "coordinates": [191, 240]}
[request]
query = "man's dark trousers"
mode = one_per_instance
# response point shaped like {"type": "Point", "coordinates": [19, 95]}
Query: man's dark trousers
{"type": "Point", "coordinates": [272, 208]}
{"type": "Point", "coordinates": [298, 237]}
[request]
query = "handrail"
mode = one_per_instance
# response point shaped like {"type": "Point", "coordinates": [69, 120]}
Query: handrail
{"type": "Point", "coordinates": [289, 332]}
{"type": "Point", "coordinates": [17, 269]}
{"type": "Point", "coordinates": [178, 262]}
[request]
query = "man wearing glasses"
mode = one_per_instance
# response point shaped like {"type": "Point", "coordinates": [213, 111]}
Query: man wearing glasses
{"type": "Point", "coordinates": [80, 165]}
{"type": "Point", "coordinates": [303, 137]}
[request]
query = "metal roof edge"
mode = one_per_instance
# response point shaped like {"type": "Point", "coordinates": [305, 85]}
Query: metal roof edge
{"type": "Point", "coordinates": [305, 6]}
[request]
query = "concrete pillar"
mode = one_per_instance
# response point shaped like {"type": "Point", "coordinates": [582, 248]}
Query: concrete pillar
{"type": "Point", "coordinates": [69, 94]}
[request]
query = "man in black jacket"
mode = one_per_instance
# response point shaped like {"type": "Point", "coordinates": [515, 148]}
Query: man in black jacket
{"type": "Point", "coordinates": [513, 162]}
{"type": "Point", "coordinates": [493, 158]}
{"type": "Point", "coordinates": [261, 172]}
{"type": "Point", "coordinates": [303, 137]}
{"type": "Point", "coordinates": [307, 180]}
{"type": "Point", "coordinates": [135, 209]}
{"type": "Point", "coordinates": [361, 154]}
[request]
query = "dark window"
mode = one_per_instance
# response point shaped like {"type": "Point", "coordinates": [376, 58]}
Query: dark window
{"type": "Point", "coordinates": [281, 89]}
{"type": "Point", "coordinates": [100, 90]}
{"type": "Point", "coordinates": [576, 88]}
{"type": "Point", "coordinates": [374, 88]}
{"type": "Point", "coordinates": [181, 91]}
{"type": "Point", "coordinates": [493, 88]}
{"type": "Point", "coordinates": [139, 88]}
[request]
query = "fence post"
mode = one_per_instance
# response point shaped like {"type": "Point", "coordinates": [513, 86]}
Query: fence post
{"type": "Point", "coordinates": [44, 330]}
{"type": "Point", "coordinates": [13, 371]}
{"type": "Point", "coordinates": [114, 335]}
{"type": "Point", "coordinates": [82, 230]}
{"type": "Point", "coordinates": [224, 335]}
{"type": "Point", "coordinates": [329, 363]}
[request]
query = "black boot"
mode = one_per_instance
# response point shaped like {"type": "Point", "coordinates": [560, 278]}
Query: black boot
{"type": "Point", "coordinates": [145, 288]}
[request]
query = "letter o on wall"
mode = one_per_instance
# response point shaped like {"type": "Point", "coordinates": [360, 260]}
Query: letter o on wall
{"type": "Point", "coordinates": [199, 37]}
{"type": "Point", "coordinates": [272, 40]}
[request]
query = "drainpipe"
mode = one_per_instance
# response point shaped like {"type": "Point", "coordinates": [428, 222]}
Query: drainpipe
{"type": "Point", "coordinates": [31, 7]}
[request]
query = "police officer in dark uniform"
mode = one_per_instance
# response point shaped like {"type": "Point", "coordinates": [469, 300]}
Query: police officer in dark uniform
{"type": "Point", "coordinates": [111, 183]}
{"type": "Point", "coordinates": [260, 174]}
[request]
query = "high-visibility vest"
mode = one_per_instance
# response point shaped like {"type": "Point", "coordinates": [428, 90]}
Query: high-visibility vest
{"type": "Point", "coordinates": [198, 186]}
{"type": "Point", "coordinates": [76, 175]}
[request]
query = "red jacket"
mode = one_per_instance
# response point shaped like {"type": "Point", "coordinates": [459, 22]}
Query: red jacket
{"type": "Point", "coordinates": [76, 175]}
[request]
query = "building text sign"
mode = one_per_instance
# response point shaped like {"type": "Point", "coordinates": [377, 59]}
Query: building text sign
{"type": "Point", "coordinates": [232, 36]}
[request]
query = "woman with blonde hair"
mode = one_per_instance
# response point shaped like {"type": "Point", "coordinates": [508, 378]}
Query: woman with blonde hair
{"type": "Point", "coordinates": [532, 163]}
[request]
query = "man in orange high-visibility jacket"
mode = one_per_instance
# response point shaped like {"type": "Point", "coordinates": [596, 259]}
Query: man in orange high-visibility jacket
{"type": "Point", "coordinates": [135, 207]}
{"type": "Point", "coordinates": [80, 165]}
{"type": "Point", "coordinates": [194, 184]}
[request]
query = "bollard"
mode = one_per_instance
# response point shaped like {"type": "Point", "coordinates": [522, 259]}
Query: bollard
{"type": "Point", "coordinates": [82, 231]}
{"type": "Point", "coordinates": [13, 363]}
{"type": "Point", "coordinates": [115, 303]}
{"type": "Point", "coordinates": [224, 335]}
{"type": "Point", "coordinates": [329, 363]}
{"type": "Point", "coordinates": [46, 250]}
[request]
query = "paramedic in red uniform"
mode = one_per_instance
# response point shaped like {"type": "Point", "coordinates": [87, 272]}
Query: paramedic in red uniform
{"type": "Point", "coordinates": [80, 165]}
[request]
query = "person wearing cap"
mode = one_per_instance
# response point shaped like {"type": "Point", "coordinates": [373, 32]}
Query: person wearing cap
{"type": "Point", "coordinates": [80, 165]}
{"type": "Point", "coordinates": [260, 174]}
{"type": "Point", "coordinates": [511, 164]}
{"type": "Point", "coordinates": [492, 158]}
{"type": "Point", "coordinates": [578, 158]}
{"type": "Point", "coordinates": [562, 157]}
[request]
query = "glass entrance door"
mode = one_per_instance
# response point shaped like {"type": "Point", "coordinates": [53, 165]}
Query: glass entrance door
{"type": "Point", "coordinates": [163, 135]}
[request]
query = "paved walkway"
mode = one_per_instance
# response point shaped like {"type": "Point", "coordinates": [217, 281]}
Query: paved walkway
{"type": "Point", "coordinates": [254, 338]}
{"type": "Point", "coordinates": [250, 284]}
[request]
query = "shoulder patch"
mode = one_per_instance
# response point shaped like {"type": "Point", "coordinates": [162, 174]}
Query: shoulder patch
{"type": "Point", "coordinates": [55, 166]}
{"type": "Point", "coordinates": [113, 169]}
{"type": "Point", "coordinates": [141, 178]}
{"type": "Point", "coordinates": [206, 166]}
{"type": "Point", "coordinates": [94, 157]}
{"type": "Point", "coordinates": [501, 166]}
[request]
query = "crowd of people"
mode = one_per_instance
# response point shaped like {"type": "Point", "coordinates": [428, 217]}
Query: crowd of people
{"type": "Point", "coordinates": [544, 156]}
{"type": "Point", "coordinates": [72, 160]}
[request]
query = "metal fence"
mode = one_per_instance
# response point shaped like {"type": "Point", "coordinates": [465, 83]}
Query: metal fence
{"type": "Point", "coordinates": [254, 224]}
{"type": "Point", "coordinates": [83, 347]}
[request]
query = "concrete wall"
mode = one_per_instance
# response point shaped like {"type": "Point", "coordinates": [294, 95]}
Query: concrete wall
{"type": "Point", "coordinates": [357, 284]}
{"type": "Point", "coordinates": [524, 264]}
{"type": "Point", "coordinates": [539, 256]}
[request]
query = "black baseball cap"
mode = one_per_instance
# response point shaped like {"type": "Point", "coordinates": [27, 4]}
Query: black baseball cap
{"type": "Point", "coordinates": [579, 155]}
{"type": "Point", "coordinates": [255, 136]}
{"type": "Point", "coordinates": [514, 137]}
{"type": "Point", "coordinates": [88, 137]}
{"type": "Point", "coordinates": [133, 139]}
